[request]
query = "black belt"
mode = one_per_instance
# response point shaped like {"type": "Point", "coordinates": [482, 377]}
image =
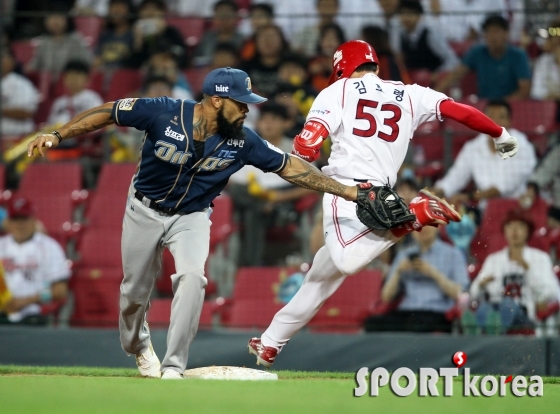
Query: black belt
{"type": "Point", "coordinates": [360, 181]}
{"type": "Point", "coordinates": [155, 206]}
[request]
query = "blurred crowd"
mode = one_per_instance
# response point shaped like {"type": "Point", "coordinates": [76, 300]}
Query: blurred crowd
{"type": "Point", "coordinates": [64, 57]}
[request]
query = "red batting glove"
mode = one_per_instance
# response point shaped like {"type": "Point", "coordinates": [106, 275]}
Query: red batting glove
{"type": "Point", "coordinates": [309, 154]}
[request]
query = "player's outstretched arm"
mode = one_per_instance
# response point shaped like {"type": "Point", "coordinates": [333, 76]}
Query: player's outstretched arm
{"type": "Point", "coordinates": [88, 121]}
{"type": "Point", "coordinates": [303, 174]}
{"type": "Point", "coordinates": [505, 144]}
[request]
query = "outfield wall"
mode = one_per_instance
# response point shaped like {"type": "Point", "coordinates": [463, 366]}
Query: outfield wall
{"type": "Point", "coordinates": [307, 351]}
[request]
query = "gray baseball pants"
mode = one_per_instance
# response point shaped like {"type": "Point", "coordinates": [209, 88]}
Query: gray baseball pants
{"type": "Point", "coordinates": [146, 233]}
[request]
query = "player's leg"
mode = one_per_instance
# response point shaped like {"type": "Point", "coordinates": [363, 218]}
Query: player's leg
{"type": "Point", "coordinates": [349, 248]}
{"type": "Point", "coordinates": [141, 256]}
{"type": "Point", "coordinates": [188, 241]}
{"type": "Point", "coordinates": [322, 280]}
{"type": "Point", "coordinates": [351, 244]}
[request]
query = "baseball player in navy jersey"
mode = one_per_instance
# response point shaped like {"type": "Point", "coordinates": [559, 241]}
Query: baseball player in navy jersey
{"type": "Point", "coordinates": [189, 151]}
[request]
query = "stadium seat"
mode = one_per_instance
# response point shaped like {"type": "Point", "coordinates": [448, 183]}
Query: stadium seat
{"type": "Point", "coordinates": [100, 248]}
{"type": "Point", "coordinates": [106, 211]}
{"type": "Point", "coordinates": [490, 236]}
{"type": "Point", "coordinates": [115, 178]}
{"type": "Point", "coordinates": [222, 220]}
{"type": "Point", "coordinates": [51, 179]}
{"type": "Point", "coordinates": [461, 48]}
{"type": "Point", "coordinates": [56, 213]}
{"type": "Point", "coordinates": [23, 50]}
{"type": "Point", "coordinates": [422, 77]}
{"type": "Point", "coordinates": [96, 297]}
{"type": "Point", "coordinates": [347, 308]}
{"type": "Point", "coordinates": [160, 313]}
{"type": "Point", "coordinates": [252, 313]}
{"type": "Point", "coordinates": [537, 119]}
{"type": "Point", "coordinates": [253, 283]}
{"type": "Point", "coordinates": [469, 85]}
{"type": "Point", "coordinates": [491, 224]}
{"type": "Point", "coordinates": [196, 76]}
{"type": "Point", "coordinates": [254, 303]}
{"type": "Point", "coordinates": [432, 144]}
{"type": "Point", "coordinates": [534, 117]}
{"type": "Point", "coordinates": [123, 83]}
{"type": "Point", "coordinates": [191, 28]}
{"type": "Point", "coordinates": [89, 27]}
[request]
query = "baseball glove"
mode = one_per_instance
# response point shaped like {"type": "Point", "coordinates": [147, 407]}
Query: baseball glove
{"type": "Point", "coordinates": [381, 208]}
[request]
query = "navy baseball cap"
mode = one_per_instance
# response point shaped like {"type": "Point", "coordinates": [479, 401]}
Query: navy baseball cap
{"type": "Point", "coordinates": [231, 83]}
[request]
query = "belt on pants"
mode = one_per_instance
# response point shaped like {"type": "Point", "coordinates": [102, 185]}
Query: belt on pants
{"type": "Point", "coordinates": [155, 206]}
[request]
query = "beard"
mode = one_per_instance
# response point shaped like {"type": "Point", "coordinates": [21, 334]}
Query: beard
{"type": "Point", "coordinates": [230, 130]}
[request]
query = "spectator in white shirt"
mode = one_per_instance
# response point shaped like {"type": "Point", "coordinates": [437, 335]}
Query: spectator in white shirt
{"type": "Point", "coordinates": [422, 44]}
{"type": "Point", "coordinates": [77, 97]}
{"type": "Point", "coordinates": [19, 99]}
{"type": "Point", "coordinates": [451, 17]}
{"type": "Point", "coordinates": [516, 282]}
{"type": "Point", "coordinates": [306, 40]}
{"type": "Point", "coordinates": [546, 72]}
{"type": "Point", "coordinates": [260, 199]}
{"type": "Point", "coordinates": [478, 161]}
{"type": "Point", "coordinates": [34, 264]}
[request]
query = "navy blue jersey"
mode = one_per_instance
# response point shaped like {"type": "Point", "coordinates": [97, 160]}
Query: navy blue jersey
{"type": "Point", "coordinates": [170, 171]}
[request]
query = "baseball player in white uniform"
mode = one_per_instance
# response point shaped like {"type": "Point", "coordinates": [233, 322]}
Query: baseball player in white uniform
{"type": "Point", "coordinates": [35, 266]}
{"type": "Point", "coordinates": [370, 122]}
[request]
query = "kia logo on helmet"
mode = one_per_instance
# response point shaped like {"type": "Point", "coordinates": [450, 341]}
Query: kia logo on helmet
{"type": "Point", "coordinates": [337, 57]}
{"type": "Point", "coordinates": [369, 56]}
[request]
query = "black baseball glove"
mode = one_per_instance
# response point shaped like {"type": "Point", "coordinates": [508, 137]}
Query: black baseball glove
{"type": "Point", "coordinates": [381, 208]}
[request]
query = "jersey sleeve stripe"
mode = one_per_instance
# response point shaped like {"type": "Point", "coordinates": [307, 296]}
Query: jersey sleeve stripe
{"type": "Point", "coordinates": [117, 113]}
{"type": "Point", "coordinates": [438, 112]}
{"type": "Point", "coordinates": [284, 162]}
{"type": "Point", "coordinates": [344, 91]}
{"type": "Point", "coordinates": [325, 123]}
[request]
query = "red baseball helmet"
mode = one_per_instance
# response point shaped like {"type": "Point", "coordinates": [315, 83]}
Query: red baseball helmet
{"type": "Point", "coordinates": [349, 56]}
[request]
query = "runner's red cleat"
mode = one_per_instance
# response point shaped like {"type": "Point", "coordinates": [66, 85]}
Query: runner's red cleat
{"type": "Point", "coordinates": [265, 354]}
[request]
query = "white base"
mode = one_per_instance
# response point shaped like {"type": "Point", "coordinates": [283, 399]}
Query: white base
{"type": "Point", "coordinates": [229, 373]}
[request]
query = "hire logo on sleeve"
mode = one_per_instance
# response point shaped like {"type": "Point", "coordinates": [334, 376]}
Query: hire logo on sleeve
{"type": "Point", "coordinates": [427, 379]}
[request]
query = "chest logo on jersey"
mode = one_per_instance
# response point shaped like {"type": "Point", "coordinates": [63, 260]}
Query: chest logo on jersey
{"type": "Point", "coordinates": [173, 134]}
{"type": "Point", "coordinates": [174, 120]}
{"type": "Point", "coordinates": [167, 152]}
{"type": "Point", "coordinates": [236, 142]}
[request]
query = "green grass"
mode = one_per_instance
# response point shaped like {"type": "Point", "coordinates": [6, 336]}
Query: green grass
{"type": "Point", "coordinates": [102, 390]}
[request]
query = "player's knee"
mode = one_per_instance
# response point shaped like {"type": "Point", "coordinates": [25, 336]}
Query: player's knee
{"type": "Point", "coordinates": [193, 277]}
{"type": "Point", "coordinates": [348, 265]}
